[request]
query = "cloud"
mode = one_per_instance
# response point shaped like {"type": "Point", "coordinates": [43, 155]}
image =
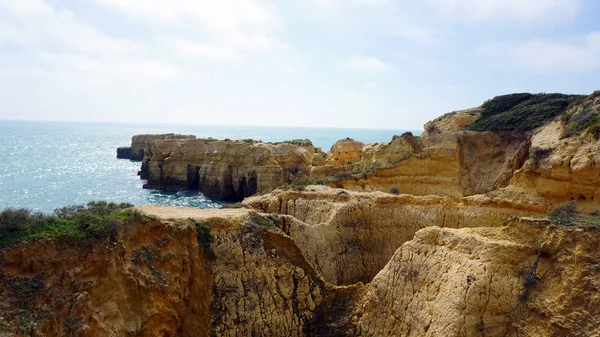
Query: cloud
{"type": "Point", "coordinates": [526, 10]}
{"type": "Point", "coordinates": [366, 64]}
{"type": "Point", "coordinates": [35, 24]}
{"type": "Point", "coordinates": [417, 34]}
{"type": "Point", "coordinates": [57, 43]}
{"type": "Point", "coordinates": [118, 69]}
{"type": "Point", "coordinates": [192, 49]}
{"type": "Point", "coordinates": [354, 3]}
{"type": "Point", "coordinates": [224, 30]}
{"type": "Point", "coordinates": [582, 55]}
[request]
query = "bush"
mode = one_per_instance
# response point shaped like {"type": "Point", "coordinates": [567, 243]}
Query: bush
{"type": "Point", "coordinates": [539, 154]}
{"type": "Point", "coordinates": [503, 103]}
{"type": "Point", "coordinates": [521, 112]}
{"type": "Point", "coordinates": [268, 221]}
{"type": "Point", "coordinates": [394, 190]}
{"type": "Point", "coordinates": [96, 220]}
{"type": "Point", "coordinates": [12, 219]}
{"type": "Point", "coordinates": [565, 213]}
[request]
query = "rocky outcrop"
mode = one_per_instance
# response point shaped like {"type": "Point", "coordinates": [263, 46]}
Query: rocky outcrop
{"type": "Point", "coordinates": [229, 170]}
{"type": "Point", "coordinates": [445, 160]}
{"type": "Point", "coordinates": [164, 278]}
{"type": "Point", "coordinates": [564, 160]}
{"type": "Point", "coordinates": [344, 151]}
{"type": "Point", "coordinates": [237, 272]}
{"type": "Point", "coordinates": [349, 236]}
{"type": "Point", "coordinates": [140, 144]}
{"type": "Point", "coordinates": [553, 163]}
{"type": "Point", "coordinates": [529, 278]}
{"type": "Point", "coordinates": [124, 152]}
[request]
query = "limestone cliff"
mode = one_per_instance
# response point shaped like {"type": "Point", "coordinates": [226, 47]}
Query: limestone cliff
{"type": "Point", "coordinates": [237, 273]}
{"type": "Point", "coordinates": [553, 163]}
{"type": "Point", "coordinates": [229, 170]}
{"type": "Point", "coordinates": [349, 236]}
{"type": "Point", "coordinates": [163, 278]}
{"type": "Point", "coordinates": [446, 160]}
{"type": "Point", "coordinates": [140, 144]}
{"type": "Point", "coordinates": [529, 278]}
{"type": "Point", "coordinates": [564, 160]}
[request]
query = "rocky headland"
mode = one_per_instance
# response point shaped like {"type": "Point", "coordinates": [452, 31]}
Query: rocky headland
{"type": "Point", "coordinates": [439, 235]}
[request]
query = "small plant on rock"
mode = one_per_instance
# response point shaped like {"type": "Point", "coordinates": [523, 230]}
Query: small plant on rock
{"type": "Point", "coordinates": [565, 213]}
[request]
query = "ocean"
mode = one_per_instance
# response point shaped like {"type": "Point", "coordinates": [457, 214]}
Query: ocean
{"type": "Point", "coordinates": [47, 165]}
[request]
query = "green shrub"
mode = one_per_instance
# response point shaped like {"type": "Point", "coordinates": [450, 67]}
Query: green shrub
{"type": "Point", "coordinates": [503, 103]}
{"type": "Point", "coordinates": [297, 142]}
{"type": "Point", "coordinates": [521, 112]}
{"type": "Point", "coordinates": [565, 213]}
{"type": "Point", "coordinates": [12, 220]}
{"type": "Point", "coordinates": [539, 154]}
{"type": "Point", "coordinates": [394, 190]}
{"type": "Point", "coordinates": [96, 220]}
{"type": "Point", "coordinates": [203, 234]}
{"type": "Point", "coordinates": [268, 221]}
{"type": "Point", "coordinates": [594, 130]}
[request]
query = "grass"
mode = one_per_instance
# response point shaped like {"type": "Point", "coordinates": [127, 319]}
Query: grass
{"type": "Point", "coordinates": [522, 111]}
{"type": "Point", "coordinates": [96, 220]}
{"type": "Point", "coordinates": [566, 214]}
{"type": "Point", "coordinates": [297, 142]}
{"type": "Point", "coordinates": [203, 233]}
{"type": "Point", "coordinates": [268, 221]}
{"type": "Point", "coordinates": [582, 120]}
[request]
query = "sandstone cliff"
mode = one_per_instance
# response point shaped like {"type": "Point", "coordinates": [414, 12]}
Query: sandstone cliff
{"type": "Point", "coordinates": [229, 170]}
{"type": "Point", "coordinates": [237, 272]}
{"type": "Point", "coordinates": [547, 165]}
{"type": "Point", "coordinates": [163, 278]}
{"type": "Point", "coordinates": [529, 278]}
{"type": "Point", "coordinates": [140, 144]}
{"type": "Point", "coordinates": [349, 236]}
{"type": "Point", "coordinates": [563, 159]}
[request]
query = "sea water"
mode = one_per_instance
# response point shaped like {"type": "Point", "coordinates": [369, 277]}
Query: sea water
{"type": "Point", "coordinates": [45, 165]}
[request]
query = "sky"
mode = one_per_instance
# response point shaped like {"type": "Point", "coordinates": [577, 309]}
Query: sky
{"type": "Point", "coordinates": [392, 64]}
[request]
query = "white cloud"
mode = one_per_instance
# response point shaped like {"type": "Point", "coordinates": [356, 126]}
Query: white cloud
{"type": "Point", "coordinates": [526, 10]}
{"type": "Point", "coordinates": [365, 64]}
{"type": "Point", "coordinates": [354, 3]}
{"type": "Point", "coordinates": [561, 56]}
{"type": "Point", "coordinates": [112, 70]}
{"type": "Point", "coordinates": [225, 30]}
{"type": "Point", "coordinates": [67, 47]}
{"type": "Point", "coordinates": [372, 84]}
{"type": "Point", "coordinates": [417, 34]}
{"type": "Point", "coordinates": [192, 49]}
{"type": "Point", "coordinates": [35, 24]}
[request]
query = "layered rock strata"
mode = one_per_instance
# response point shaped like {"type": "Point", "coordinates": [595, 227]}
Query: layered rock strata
{"type": "Point", "coordinates": [229, 170]}
{"type": "Point", "coordinates": [163, 278]}
{"type": "Point", "coordinates": [349, 236]}
{"type": "Point", "coordinates": [529, 278]}
{"type": "Point", "coordinates": [243, 275]}
{"type": "Point", "coordinates": [140, 145]}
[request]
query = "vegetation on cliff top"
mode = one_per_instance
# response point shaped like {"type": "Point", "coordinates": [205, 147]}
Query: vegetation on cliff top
{"type": "Point", "coordinates": [95, 220]}
{"type": "Point", "coordinates": [522, 111]}
{"type": "Point", "coordinates": [584, 119]}
{"type": "Point", "coordinates": [566, 214]}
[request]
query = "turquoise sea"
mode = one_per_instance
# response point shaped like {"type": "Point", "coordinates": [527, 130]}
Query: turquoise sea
{"type": "Point", "coordinates": [46, 165]}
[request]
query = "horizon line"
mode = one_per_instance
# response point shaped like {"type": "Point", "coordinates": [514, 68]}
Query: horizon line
{"type": "Point", "coordinates": [196, 124]}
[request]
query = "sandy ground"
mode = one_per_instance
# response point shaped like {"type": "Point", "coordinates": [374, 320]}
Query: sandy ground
{"type": "Point", "coordinates": [171, 212]}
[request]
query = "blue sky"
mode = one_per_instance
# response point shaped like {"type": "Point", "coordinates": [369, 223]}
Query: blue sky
{"type": "Point", "coordinates": [333, 63]}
